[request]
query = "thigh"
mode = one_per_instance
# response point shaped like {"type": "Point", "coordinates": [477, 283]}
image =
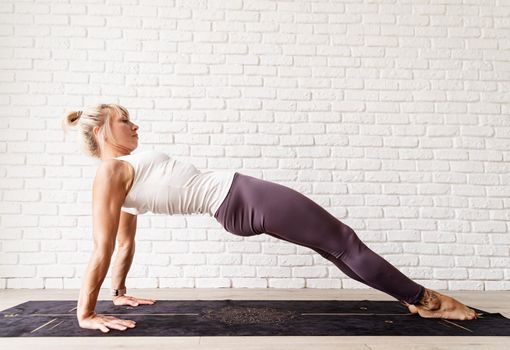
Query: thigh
{"type": "Point", "coordinates": [290, 214]}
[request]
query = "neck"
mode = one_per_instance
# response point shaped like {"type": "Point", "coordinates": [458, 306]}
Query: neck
{"type": "Point", "coordinates": [114, 149]}
{"type": "Point", "coordinates": [111, 153]}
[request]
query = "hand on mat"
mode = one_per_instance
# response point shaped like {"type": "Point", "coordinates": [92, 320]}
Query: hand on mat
{"type": "Point", "coordinates": [104, 323]}
{"type": "Point", "coordinates": [133, 301]}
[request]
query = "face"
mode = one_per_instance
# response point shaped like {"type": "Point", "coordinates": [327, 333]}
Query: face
{"type": "Point", "coordinates": [125, 136]}
{"type": "Point", "coordinates": [125, 132]}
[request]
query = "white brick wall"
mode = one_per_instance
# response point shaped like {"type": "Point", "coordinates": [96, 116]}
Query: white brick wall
{"type": "Point", "coordinates": [394, 116]}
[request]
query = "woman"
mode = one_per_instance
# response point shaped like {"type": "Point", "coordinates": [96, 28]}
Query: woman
{"type": "Point", "coordinates": [128, 184]}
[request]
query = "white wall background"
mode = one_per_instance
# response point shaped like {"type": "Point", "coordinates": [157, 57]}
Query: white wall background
{"type": "Point", "coordinates": [393, 115]}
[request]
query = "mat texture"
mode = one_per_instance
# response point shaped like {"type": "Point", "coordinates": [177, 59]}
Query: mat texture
{"type": "Point", "coordinates": [173, 318]}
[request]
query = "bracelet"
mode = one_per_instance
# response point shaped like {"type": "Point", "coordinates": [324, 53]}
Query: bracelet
{"type": "Point", "coordinates": [118, 292]}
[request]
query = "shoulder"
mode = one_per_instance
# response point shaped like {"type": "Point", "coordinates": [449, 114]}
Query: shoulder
{"type": "Point", "coordinates": [113, 172]}
{"type": "Point", "coordinates": [110, 167]}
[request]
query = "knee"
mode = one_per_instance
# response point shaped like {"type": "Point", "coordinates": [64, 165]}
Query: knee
{"type": "Point", "coordinates": [351, 245]}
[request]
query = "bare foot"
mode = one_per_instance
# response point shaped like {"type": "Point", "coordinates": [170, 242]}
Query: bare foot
{"type": "Point", "coordinates": [436, 305]}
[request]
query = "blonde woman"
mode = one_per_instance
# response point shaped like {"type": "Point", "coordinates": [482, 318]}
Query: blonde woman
{"type": "Point", "coordinates": [126, 185]}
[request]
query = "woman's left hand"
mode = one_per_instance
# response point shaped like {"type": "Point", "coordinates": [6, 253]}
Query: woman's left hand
{"type": "Point", "coordinates": [132, 301]}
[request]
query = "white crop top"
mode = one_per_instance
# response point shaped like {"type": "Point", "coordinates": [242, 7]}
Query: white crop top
{"type": "Point", "coordinates": [163, 185]}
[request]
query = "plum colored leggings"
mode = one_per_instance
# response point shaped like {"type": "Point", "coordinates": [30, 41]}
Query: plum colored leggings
{"type": "Point", "coordinates": [254, 206]}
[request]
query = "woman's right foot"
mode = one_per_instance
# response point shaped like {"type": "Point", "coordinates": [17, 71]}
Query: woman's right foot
{"type": "Point", "coordinates": [436, 305]}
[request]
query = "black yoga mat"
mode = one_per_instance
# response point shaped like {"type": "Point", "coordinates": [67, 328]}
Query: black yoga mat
{"type": "Point", "coordinates": [173, 318]}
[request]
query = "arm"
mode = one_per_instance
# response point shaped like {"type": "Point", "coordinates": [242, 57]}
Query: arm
{"type": "Point", "coordinates": [107, 198]}
{"type": "Point", "coordinates": [125, 253]}
{"type": "Point", "coordinates": [126, 249]}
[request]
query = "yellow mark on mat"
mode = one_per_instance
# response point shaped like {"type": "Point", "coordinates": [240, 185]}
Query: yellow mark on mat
{"type": "Point", "coordinates": [352, 314]}
{"type": "Point", "coordinates": [47, 323]}
{"type": "Point", "coordinates": [458, 325]}
{"type": "Point", "coordinates": [126, 315]}
{"type": "Point", "coordinates": [56, 325]}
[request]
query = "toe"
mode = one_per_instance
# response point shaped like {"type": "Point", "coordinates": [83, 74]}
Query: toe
{"type": "Point", "coordinates": [413, 309]}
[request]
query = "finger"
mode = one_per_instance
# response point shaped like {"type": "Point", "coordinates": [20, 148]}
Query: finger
{"type": "Point", "coordinates": [110, 318]}
{"type": "Point", "coordinates": [103, 328]}
{"type": "Point", "coordinates": [146, 301]}
{"type": "Point", "coordinates": [113, 321]}
{"type": "Point", "coordinates": [128, 323]}
{"type": "Point", "coordinates": [115, 325]}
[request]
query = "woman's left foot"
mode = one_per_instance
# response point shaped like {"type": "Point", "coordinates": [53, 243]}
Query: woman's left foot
{"type": "Point", "coordinates": [437, 305]}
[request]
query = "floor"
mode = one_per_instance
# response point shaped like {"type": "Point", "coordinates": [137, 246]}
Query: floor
{"type": "Point", "coordinates": [495, 301]}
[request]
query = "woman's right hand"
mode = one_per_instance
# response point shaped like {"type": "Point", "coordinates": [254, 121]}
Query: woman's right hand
{"type": "Point", "coordinates": [104, 323]}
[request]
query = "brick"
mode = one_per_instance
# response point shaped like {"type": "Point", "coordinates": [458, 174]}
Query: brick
{"type": "Point", "coordinates": [249, 283]}
{"type": "Point", "coordinates": [451, 273]}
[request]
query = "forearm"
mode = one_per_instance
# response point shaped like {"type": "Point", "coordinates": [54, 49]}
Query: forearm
{"type": "Point", "coordinates": [92, 281]}
{"type": "Point", "coordinates": [121, 266]}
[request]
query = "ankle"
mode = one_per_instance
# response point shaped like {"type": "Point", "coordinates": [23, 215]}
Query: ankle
{"type": "Point", "coordinates": [430, 299]}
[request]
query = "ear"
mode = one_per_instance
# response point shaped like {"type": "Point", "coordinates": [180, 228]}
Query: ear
{"type": "Point", "coordinates": [95, 130]}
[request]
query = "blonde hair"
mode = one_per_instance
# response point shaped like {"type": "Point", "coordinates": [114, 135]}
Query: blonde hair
{"type": "Point", "coordinates": [100, 116]}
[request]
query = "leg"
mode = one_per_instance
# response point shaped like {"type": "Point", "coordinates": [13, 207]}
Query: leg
{"type": "Point", "coordinates": [298, 219]}
{"type": "Point", "coordinates": [431, 305]}
{"type": "Point", "coordinates": [356, 260]}
{"type": "Point", "coordinates": [254, 206]}
{"type": "Point", "coordinates": [344, 268]}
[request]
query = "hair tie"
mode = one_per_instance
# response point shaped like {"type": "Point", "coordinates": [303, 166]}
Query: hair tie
{"type": "Point", "coordinates": [78, 114]}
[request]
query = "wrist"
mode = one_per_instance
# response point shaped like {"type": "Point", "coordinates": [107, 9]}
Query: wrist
{"type": "Point", "coordinates": [118, 292]}
{"type": "Point", "coordinates": [83, 315]}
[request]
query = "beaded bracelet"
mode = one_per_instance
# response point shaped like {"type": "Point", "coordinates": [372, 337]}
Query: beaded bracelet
{"type": "Point", "coordinates": [118, 292]}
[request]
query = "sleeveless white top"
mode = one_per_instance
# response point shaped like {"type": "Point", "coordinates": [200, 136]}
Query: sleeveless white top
{"type": "Point", "coordinates": [163, 185]}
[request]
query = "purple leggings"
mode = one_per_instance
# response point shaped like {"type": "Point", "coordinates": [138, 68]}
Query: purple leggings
{"type": "Point", "coordinates": [254, 206]}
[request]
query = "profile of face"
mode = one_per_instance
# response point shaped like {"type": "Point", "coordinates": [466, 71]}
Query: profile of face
{"type": "Point", "coordinates": [124, 132]}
